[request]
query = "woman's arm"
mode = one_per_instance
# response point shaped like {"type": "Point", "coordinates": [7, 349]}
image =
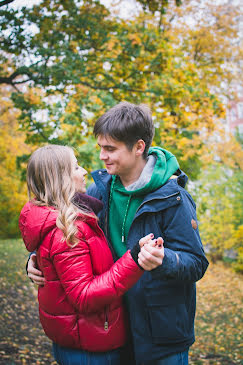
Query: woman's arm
{"type": "Point", "coordinates": [89, 293]}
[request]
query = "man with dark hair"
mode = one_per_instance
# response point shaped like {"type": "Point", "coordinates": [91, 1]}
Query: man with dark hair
{"type": "Point", "coordinates": [142, 190]}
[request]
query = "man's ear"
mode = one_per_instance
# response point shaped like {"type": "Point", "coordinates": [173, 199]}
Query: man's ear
{"type": "Point", "coordinates": [140, 147]}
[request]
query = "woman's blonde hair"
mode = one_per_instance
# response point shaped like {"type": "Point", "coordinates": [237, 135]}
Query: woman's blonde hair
{"type": "Point", "coordinates": [50, 182]}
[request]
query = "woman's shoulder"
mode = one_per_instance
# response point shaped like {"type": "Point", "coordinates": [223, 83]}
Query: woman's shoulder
{"type": "Point", "coordinates": [87, 224]}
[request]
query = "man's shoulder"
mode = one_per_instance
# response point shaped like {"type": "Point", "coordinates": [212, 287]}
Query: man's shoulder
{"type": "Point", "coordinates": [93, 191]}
{"type": "Point", "coordinates": [101, 183]}
{"type": "Point", "coordinates": [173, 186]}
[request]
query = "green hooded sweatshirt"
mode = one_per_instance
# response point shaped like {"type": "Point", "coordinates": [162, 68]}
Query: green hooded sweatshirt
{"type": "Point", "coordinates": [124, 202]}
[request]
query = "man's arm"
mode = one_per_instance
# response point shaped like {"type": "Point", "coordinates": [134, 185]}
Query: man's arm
{"type": "Point", "coordinates": [184, 257]}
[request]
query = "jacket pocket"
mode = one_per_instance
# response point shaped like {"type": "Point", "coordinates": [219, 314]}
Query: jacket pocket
{"type": "Point", "coordinates": [168, 319]}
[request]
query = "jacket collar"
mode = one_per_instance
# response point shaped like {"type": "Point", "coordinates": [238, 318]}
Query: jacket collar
{"type": "Point", "coordinates": [103, 181]}
{"type": "Point", "coordinates": [83, 200]}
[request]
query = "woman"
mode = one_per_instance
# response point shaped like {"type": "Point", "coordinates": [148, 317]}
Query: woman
{"type": "Point", "coordinates": [80, 305]}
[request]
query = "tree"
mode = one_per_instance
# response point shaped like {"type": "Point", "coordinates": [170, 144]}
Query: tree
{"type": "Point", "coordinates": [210, 36]}
{"type": "Point", "coordinates": [5, 2]}
{"type": "Point", "coordinates": [219, 195]}
{"type": "Point", "coordinates": [13, 193]}
{"type": "Point", "coordinates": [82, 60]}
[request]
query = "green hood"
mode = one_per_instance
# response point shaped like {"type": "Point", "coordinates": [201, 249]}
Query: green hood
{"type": "Point", "coordinates": [166, 165]}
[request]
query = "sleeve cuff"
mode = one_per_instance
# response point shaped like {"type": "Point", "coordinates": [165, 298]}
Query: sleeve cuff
{"type": "Point", "coordinates": [134, 253]}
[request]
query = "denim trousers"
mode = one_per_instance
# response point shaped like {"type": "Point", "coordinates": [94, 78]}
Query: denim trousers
{"type": "Point", "coordinates": [68, 356]}
{"type": "Point", "coordinates": [181, 358]}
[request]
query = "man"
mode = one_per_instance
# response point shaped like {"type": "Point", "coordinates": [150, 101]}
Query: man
{"type": "Point", "coordinates": [142, 190]}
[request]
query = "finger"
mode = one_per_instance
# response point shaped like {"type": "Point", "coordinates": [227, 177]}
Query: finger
{"type": "Point", "coordinates": [160, 242]}
{"type": "Point", "coordinates": [152, 243]}
{"type": "Point", "coordinates": [145, 239]}
{"type": "Point", "coordinates": [156, 242]}
{"type": "Point", "coordinates": [148, 259]}
{"type": "Point", "coordinates": [145, 266]}
{"type": "Point", "coordinates": [37, 279]}
{"type": "Point", "coordinates": [34, 271]}
{"type": "Point", "coordinates": [154, 251]}
{"type": "Point", "coordinates": [39, 283]}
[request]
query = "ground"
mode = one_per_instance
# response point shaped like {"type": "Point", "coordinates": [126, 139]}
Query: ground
{"type": "Point", "coordinates": [22, 340]}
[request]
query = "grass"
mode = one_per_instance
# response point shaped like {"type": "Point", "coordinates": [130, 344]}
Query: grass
{"type": "Point", "coordinates": [218, 322]}
{"type": "Point", "coordinates": [13, 257]}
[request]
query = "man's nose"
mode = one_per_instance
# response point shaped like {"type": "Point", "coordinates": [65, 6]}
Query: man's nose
{"type": "Point", "coordinates": [103, 155]}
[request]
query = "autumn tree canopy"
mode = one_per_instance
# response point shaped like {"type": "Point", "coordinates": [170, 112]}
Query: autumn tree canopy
{"type": "Point", "coordinates": [76, 60]}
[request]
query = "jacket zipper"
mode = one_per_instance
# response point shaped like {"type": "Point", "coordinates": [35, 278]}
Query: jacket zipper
{"type": "Point", "coordinates": [106, 324]}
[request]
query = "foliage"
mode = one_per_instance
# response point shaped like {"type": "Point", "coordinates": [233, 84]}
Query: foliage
{"type": "Point", "coordinates": [209, 33]}
{"type": "Point", "coordinates": [219, 194]}
{"type": "Point", "coordinates": [218, 324]}
{"type": "Point", "coordinates": [157, 5]}
{"type": "Point", "coordinates": [13, 193]}
{"type": "Point", "coordinates": [82, 60]}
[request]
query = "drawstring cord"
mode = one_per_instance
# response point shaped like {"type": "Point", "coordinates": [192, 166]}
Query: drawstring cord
{"type": "Point", "coordinates": [126, 211]}
{"type": "Point", "coordinates": [125, 218]}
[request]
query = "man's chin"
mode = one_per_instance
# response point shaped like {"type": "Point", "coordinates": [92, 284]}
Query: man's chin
{"type": "Point", "coordinates": [110, 170]}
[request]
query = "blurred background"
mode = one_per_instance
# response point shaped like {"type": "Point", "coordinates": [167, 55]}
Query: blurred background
{"type": "Point", "coordinates": [63, 63]}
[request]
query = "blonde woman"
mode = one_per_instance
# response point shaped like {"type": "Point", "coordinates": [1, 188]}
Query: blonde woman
{"type": "Point", "coordinates": [80, 305]}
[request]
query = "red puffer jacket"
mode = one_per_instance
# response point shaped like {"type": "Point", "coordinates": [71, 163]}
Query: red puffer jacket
{"type": "Point", "coordinates": [80, 305]}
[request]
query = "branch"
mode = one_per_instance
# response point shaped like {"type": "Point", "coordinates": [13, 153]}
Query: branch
{"type": "Point", "coordinates": [5, 2]}
{"type": "Point", "coordinates": [10, 79]}
{"type": "Point", "coordinates": [99, 87]}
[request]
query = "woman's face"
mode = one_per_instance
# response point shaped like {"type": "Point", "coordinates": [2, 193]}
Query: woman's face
{"type": "Point", "coordinates": [79, 176]}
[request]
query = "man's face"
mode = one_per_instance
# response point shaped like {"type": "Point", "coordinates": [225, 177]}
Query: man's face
{"type": "Point", "coordinates": [118, 159]}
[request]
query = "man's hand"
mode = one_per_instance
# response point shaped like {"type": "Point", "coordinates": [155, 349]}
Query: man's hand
{"type": "Point", "coordinates": [151, 254]}
{"type": "Point", "coordinates": [33, 273]}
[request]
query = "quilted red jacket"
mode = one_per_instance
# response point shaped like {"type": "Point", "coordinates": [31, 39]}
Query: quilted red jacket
{"type": "Point", "coordinates": [80, 305]}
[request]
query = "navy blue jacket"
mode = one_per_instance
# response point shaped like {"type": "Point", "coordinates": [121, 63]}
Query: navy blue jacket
{"type": "Point", "coordinates": [162, 304]}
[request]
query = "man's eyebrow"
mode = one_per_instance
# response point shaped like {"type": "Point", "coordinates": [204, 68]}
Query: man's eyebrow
{"type": "Point", "coordinates": [106, 146]}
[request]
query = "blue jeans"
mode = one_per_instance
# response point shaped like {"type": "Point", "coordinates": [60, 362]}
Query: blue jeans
{"type": "Point", "coordinates": [67, 356]}
{"type": "Point", "coordinates": [177, 359]}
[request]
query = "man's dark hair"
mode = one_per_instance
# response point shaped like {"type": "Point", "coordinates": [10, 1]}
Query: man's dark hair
{"type": "Point", "coordinates": [127, 123]}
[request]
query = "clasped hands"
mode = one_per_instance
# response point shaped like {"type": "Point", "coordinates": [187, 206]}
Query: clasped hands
{"type": "Point", "coordinates": [151, 252]}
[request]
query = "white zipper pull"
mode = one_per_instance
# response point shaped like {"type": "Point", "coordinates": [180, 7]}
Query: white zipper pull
{"type": "Point", "coordinates": [106, 321]}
